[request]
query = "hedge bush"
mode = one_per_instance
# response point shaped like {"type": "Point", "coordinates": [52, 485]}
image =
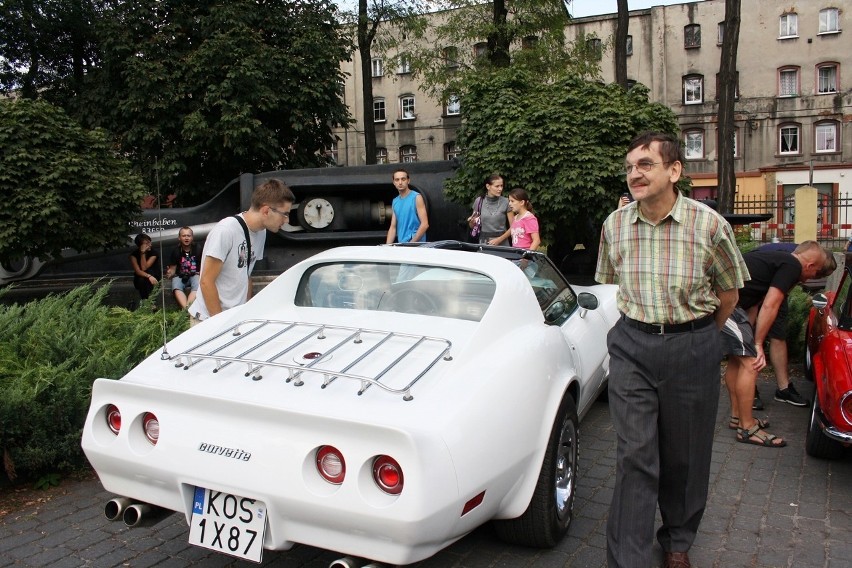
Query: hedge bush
{"type": "Point", "coordinates": [51, 350]}
{"type": "Point", "coordinates": [799, 303]}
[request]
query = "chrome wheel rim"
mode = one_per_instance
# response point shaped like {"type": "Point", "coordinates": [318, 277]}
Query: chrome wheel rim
{"type": "Point", "coordinates": [566, 469]}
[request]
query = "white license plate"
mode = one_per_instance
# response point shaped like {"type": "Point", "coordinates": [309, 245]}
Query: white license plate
{"type": "Point", "coordinates": [228, 523]}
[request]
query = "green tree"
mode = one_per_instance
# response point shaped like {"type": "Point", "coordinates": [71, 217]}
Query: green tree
{"type": "Point", "coordinates": [562, 140]}
{"type": "Point", "coordinates": [46, 47]}
{"type": "Point", "coordinates": [506, 32]}
{"type": "Point", "coordinates": [210, 89]}
{"type": "Point", "coordinates": [534, 108]}
{"type": "Point", "coordinates": [376, 24]}
{"type": "Point", "coordinates": [62, 186]}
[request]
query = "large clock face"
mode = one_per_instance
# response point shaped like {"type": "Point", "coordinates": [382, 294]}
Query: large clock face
{"type": "Point", "coordinates": [315, 213]}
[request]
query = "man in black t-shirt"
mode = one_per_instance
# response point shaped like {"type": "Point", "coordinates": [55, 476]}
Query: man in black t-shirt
{"type": "Point", "coordinates": [773, 275]}
{"type": "Point", "coordinates": [778, 357]}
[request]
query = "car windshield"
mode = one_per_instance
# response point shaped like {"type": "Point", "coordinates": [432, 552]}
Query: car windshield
{"type": "Point", "coordinates": [407, 288]}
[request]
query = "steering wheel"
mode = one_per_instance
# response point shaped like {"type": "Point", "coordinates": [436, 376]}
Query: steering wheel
{"type": "Point", "coordinates": [410, 301]}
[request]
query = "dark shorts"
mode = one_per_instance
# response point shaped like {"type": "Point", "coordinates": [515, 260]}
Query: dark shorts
{"type": "Point", "coordinates": [738, 335]}
{"type": "Point", "coordinates": [779, 326]}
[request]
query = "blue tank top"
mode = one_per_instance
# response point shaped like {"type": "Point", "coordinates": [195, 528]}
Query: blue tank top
{"type": "Point", "coordinates": [407, 221]}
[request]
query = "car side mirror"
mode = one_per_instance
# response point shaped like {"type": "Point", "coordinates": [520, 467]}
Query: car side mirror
{"type": "Point", "coordinates": [820, 301]}
{"type": "Point", "coordinates": [587, 301]}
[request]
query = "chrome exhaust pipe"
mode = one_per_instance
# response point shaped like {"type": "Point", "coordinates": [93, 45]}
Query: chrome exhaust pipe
{"type": "Point", "coordinates": [114, 508]}
{"type": "Point", "coordinates": [349, 562]}
{"type": "Point", "coordinates": [144, 515]}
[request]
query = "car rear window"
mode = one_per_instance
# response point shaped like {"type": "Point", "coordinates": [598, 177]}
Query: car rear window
{"type": "Point", "coordinates": [405, 288]}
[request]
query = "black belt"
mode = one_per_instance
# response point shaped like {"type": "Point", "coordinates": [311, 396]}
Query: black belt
{"type": "Point", "coordinates": [665, 328]}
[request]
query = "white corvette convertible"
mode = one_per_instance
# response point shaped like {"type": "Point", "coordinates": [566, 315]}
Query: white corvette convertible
{"type": "Point", "coordinates": [381, 402]}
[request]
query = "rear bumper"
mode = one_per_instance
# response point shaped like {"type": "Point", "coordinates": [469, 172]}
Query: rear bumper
{"type": "Point", "coordinates": [832, 432]}
{"type": "Point", "coordinates": [269, 455]}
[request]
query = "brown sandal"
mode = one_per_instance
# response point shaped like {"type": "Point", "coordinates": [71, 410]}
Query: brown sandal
{"type": "Point", "coordinates": [745, 435]}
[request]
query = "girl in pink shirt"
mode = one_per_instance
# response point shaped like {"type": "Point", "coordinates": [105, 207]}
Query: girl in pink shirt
{"type": "Point", "coordinates": [525, 226]}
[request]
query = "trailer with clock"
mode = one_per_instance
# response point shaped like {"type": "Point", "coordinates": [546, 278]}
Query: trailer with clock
{"type": "Point", "coordinates": [334, 206]}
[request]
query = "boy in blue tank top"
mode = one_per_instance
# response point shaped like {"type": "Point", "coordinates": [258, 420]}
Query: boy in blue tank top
{"type": "Point", "coordinates": [409, 220]}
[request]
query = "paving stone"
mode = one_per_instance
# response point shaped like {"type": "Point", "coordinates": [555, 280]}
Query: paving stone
{"type": "Point", "coordinates": [766, 508]}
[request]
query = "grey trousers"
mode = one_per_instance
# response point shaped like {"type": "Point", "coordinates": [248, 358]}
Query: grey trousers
{"type": "Point", "coordinates": [663, 397]}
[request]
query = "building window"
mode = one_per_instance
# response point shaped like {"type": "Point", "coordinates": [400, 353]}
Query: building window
{"type": "Point", "coordinates": [406, 107]}
{"type": "Point", "coordinates": [827, 79]}
{"type": "Point", "coordinates": [331, 153]}
{"type": "Point", "coordinates": [450, 151]}
{"type": "Point", "coordinates": [453, 106]}
{"type": "Point", "coordinates": [480, 49]}
{"type": "Point", "coordinates": [404, 66]}
{"type": "Point", "coordinates": [451, 56]}
{"type": "Point", "coordinates": [693, 89]}
{"type": "Point", "coordinates": [378, 68]}
{"type": "Point", "coordinates": [629, 50]}
{"type": "Point", "coordinates": [788, 82]}
{"type": "Point", "coordinates": [407, 154]}
{"type": "Point", "coordinates": [720, 33]}
{"type": "Point", "coordinates": [691, 36]}
{"type": "Point", "coordinates": [379, 114]}
{"type": "Point", "coordinates": [734, 137]}
{"type": "Point", "coordinates": [825, 137]}
{"type": "Point", "coordinates": [631, 83]}
{"type": "Point", "coordinates": [693, 144]}
{"type": "Point", "coordinates": [829, 21]}
{"type": "Point", "coordinates": [789, 139]}
{"type": "Point", "coordinates": [595, 48]}
{"type": "Point", "coordinates": [529, 42]}
{"type": "Point", "coordinates": [381, 155]}
{"type": "Point", "coordinates": [788, 25]}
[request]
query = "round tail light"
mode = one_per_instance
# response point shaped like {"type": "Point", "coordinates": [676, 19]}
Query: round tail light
{"type": "Point", "coordinates": [113, 418]}
{"type": "Point", "coordinates": [331, 465]}
{"type": "Point", "coordinates": [388, 475]}
{"type": "Point", "coordinates": [151, 427]}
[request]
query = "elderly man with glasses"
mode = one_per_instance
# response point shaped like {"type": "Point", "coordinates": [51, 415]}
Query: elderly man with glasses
{"type": "Point", "coordinates": [233, 247]}
{"type": "Point", "coordinates": [678, 270]}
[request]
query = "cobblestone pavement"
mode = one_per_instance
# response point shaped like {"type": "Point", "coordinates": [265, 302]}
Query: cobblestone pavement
{"type": "Point", "coordinates": [767, 508]}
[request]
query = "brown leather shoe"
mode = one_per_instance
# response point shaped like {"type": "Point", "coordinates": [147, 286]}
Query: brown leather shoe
{"type": "Point", "coordinates": [676, 560]}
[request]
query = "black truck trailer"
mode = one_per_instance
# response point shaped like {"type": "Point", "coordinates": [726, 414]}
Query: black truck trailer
{"type": "Point", "coordinates": [334, 207]}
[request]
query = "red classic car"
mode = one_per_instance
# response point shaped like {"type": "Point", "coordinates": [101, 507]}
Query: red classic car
{"type": "Point", "coordinates": [828, 362]}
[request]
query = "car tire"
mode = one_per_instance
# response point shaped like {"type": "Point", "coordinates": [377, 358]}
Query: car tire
{"type": "Point", "coordinates": [817, 444]}
{"type": "Point", "coordinates": [551, 508]}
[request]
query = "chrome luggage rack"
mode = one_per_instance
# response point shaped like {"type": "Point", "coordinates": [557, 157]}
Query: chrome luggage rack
{"type": "Point", "coordinates": [260, 343]}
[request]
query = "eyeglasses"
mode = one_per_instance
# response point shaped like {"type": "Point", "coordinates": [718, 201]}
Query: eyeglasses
{"type": "Point", "coordinates": [283, 213]}
{"type": "Point", "coordinates": [641, 167]}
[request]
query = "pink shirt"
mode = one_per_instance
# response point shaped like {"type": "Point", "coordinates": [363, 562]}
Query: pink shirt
{"type": "Point", "coordinates": [522, 230]}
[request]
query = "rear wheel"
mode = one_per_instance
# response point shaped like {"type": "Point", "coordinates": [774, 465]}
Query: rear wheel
{"type": "Point", "coordinates": [551, 508]}
{"type": "Point", "coordinates": [817, 444]}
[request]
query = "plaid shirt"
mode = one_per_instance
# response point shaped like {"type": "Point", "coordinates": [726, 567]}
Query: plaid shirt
{"type": "Point", "coordinates": [667, 273]}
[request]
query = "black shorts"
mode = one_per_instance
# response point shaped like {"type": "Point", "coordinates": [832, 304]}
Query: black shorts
{"type": "Point", "coordinates": [779, 326]}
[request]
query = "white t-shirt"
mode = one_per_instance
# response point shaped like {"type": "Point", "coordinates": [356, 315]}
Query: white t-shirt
{"type": "Point", "coordinates": [227, 242]}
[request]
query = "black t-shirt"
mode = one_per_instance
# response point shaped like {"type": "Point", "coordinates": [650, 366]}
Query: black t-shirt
{"type": "Point", "coordinates": [768, 268]}
{"type": "Point", "coordinates": [185, 263]}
